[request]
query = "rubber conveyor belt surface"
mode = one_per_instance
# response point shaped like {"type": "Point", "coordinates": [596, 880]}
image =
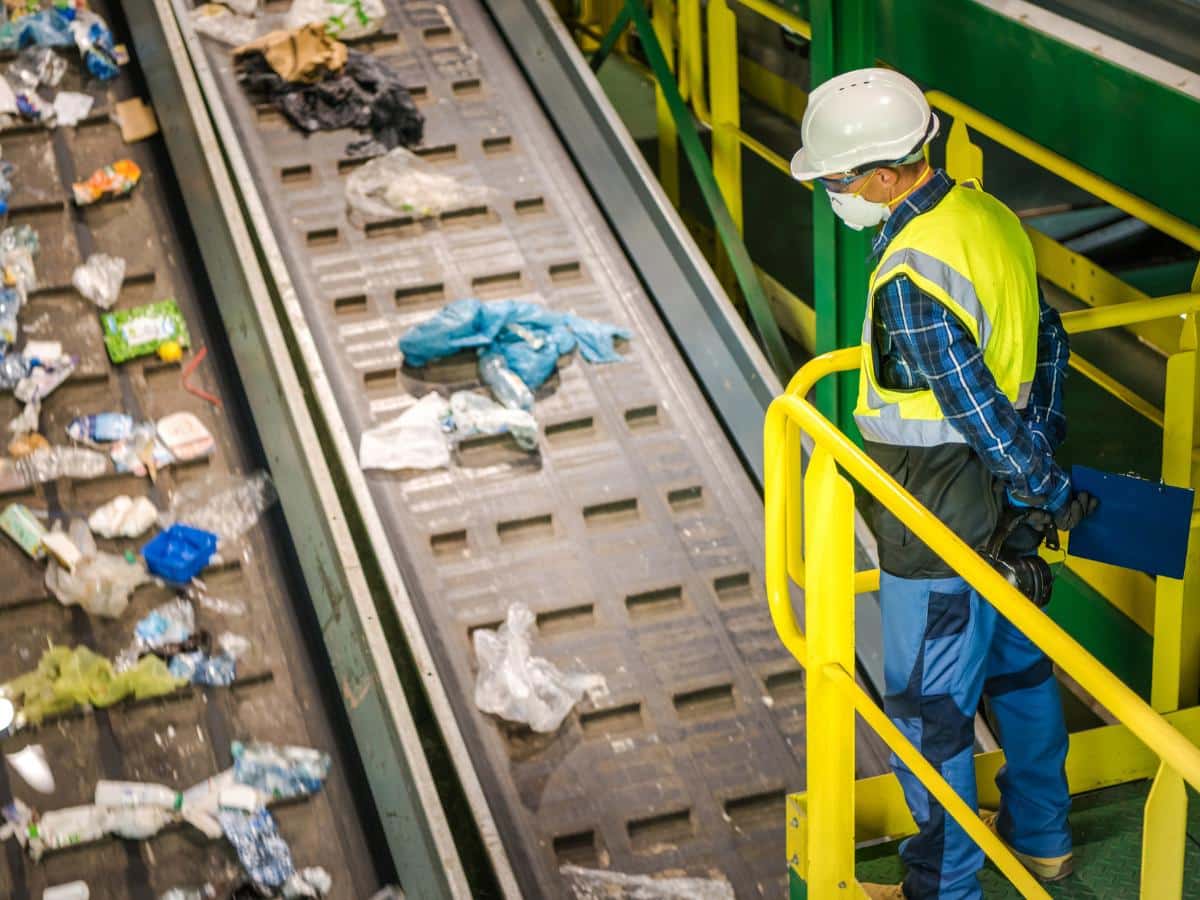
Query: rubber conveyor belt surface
{"type": "Point", "coordinates": [633, 532]}
{"type": "Point", "coordinates": [184, 737]}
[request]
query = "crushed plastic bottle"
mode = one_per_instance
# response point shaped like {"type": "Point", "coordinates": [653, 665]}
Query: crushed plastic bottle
{"type": "Point", "coordinates": [506, 385]}
{"type": "Point", "coordinates": [279, 772]}
{"type": "Point", "coordinates": [59, 462]}
{"type": "Point", "coordinates": [170, 623]}
{"type": "Point", "coordinates": [36, 66]}
{"type": "Point", "coordinates": [262, 851]}
{"type": "Point", "coordinates": [220, 605]}
{"type": "Point", "coordinates": [228, 506]}
{"type": "Point", "coordinates": [100, 428]}
{"type": "Point", "coordinates": [219, 670]}
{"type": "Point", "coordinates": [203, 892]}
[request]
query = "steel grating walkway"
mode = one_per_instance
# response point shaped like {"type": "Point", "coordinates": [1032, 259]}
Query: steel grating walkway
{"type": "Point", "coordinates": [634, 533]}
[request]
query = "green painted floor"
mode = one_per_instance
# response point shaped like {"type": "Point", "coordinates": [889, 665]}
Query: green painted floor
{"type": "Point", "coordinates": [1107, 826]}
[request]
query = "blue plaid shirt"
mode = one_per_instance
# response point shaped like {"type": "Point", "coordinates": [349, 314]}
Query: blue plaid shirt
{"type": "Point", "coordinates": [923, 344]}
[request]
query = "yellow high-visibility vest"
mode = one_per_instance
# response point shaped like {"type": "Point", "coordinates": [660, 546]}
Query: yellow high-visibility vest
{"type": "Point", "coordinates": [970, 253]}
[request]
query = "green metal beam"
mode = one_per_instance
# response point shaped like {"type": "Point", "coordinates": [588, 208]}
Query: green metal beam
{"type": "Point", "coordinates": [1128, 128]}
{"type": "Point", "coordinates": [689, 138]}
{"type": "Point", "coordinates": [843, 38]}
{"type": "Point", "coordinates": [620, 23]}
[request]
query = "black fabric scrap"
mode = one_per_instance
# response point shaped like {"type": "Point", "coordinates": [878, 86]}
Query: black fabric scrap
{"type": "Point", "coordinates": [365, 95]}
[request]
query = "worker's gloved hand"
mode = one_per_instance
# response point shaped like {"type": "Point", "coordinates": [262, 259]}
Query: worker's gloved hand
{"type": "Point", "coordinates": [1075, 510]}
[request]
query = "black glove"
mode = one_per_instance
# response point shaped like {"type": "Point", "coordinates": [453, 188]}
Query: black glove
{"type": "Point", "coordinates": [1075, 510]}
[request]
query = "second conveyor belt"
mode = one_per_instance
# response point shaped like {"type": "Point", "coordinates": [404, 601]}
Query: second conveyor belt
{"type": "Point", "coordinates": [633, 532]}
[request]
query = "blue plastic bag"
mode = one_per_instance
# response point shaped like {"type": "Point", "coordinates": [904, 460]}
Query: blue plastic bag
{"type": "Point", "coordinates": [529, 336]}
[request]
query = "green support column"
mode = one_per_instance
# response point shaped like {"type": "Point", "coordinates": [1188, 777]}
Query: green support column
{"type": "Point", "coordinates": [843, 38]}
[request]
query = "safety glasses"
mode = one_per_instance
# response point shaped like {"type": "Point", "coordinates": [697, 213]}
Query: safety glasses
{"type": "Point", "coordinates": [839, 185]}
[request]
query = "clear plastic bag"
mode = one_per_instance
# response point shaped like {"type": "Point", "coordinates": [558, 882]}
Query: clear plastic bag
{"type": "Point", "coordinates": [344, 19]}
{"type": "Point", "coordinates": [99, 279]}
{"type": "Point", "coordinates": [472, 414]}
{"type": "Point", "coordinates": [217, 22]}
{"type": "Point", "coordinates": [518, 686]}
{"type": "Point", "coordinates": [227, 505]}
{"type": "Point", "coordinates": [100, 583]}
{"type": "Point", "coordinates": [600, 884]}
{"type": "Point", "coordinates": [36, 65]}
{"type": "Point", "coordinates": [401, 183]}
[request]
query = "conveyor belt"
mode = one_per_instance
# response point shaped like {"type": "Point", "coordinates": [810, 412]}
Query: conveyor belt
{"type": "Point", "coordinates": [633, 532]}
{"type": "Point", "coordinates": [281, 694]}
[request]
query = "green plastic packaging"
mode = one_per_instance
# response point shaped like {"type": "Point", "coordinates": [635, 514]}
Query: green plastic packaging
{"type": "Point", "coordinates": [67, 677]}
{"type": "Point", "coordinates": [130, 333]}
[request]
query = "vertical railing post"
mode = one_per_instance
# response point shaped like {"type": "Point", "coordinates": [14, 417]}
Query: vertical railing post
{"type": "Point", "coordinates": [829, 628]}
{"type": "Point", "coordinates": [663, 20]}
{"type": "Point", "coordinates": [725, 105]}
{"type": "Point", "coordinates": [1175, 651]}
{"type": "Point", "coordinates": [1164, 837]}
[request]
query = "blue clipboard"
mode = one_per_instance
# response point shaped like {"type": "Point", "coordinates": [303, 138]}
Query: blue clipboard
{"type": "Point", "coordinates": [1139, 524]}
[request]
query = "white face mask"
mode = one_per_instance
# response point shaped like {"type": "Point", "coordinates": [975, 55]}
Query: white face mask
{"type": "Point", "coordinates": [857, 211]}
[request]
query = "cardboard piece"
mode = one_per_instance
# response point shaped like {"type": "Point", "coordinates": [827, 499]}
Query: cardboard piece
{"type": "Point", "coordinates": [137, 120]}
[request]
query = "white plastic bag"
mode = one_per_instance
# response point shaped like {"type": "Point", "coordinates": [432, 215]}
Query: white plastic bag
{"type": "Point", "coordinates": [518, 686]}
{"type": "Point", "coordinates": [413, 440]}
{"type": "Point", "coordinates": [600, 884]}
{"type": "Point", "coordinates": [400, 182]}
{"type": "Point", "coordinates": [123, 516]}
{"type": "Point", "coordinates": [99, 279]}
{"type": "Point", "coordinates": [215, 21]}
{"type": "Point", "coordinates": [344, 19]}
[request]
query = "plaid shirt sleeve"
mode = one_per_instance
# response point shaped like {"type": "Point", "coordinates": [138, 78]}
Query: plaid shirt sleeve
{"type": "Point", "coordinates": [924, 344]}
{"type": "Point", "coordinates": [1044, 412]}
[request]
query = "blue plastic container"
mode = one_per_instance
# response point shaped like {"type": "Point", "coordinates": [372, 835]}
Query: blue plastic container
{"type": "Point", "coordinates": [179, 554]}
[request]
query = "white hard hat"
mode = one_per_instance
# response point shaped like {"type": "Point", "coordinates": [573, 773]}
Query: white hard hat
{"type": "Point", "coordinates": [862, 117]}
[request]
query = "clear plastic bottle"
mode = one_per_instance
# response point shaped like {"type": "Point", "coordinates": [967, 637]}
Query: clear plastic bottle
{"type": "Point", "coordinates": [506, 385]}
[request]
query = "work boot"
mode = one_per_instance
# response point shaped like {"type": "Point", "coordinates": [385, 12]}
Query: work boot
{"type": "Point", "coordinates": [884, 891]}
{"type": "Point", "coordinates": [1043, 868]}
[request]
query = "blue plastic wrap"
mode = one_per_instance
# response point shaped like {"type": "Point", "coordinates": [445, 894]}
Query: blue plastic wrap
{"type": "Point", "coordinates": [262, 851]}
{"type": "Point", "coordinates": [197, 667]}
{"type": "Point", "coordinates": [529, 336]}
{"type": "Point", "coordinates": [55, 27]}
{"type": "Point", "coordinates": [281, 772]}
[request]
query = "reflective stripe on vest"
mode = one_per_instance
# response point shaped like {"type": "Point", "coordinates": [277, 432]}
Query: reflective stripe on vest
{"type": "Point", "coordinates": [971, 254]}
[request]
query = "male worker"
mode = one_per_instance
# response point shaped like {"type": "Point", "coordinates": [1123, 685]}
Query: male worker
{"type": "Point", "coordinates": [960, 401]}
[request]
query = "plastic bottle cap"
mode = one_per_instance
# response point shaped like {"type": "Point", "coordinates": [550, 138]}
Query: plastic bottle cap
{"type": "Point", "coordinates": [170, 351]}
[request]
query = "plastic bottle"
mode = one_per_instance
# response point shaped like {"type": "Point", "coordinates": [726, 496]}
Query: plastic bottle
{"type": "Point", "coordinates": [507, 386]}
{"type": "Point", "coordinates": [101, 428]}
{"type": "Point", "coordinates": [137, 793]}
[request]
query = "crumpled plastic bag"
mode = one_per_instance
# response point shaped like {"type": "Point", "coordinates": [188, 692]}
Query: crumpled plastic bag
{"type": "Point", "coordinates": [529, 336]}
{"type": "Point", "coordinates": [219, 23]}
{"type": "Point", "coordinates": [401, 182]}
{"type": "Point", "coordinates": [99, 279]}
{"type": "Point", "coordinates": [472, 414]}
{"type": "Point", "coordinates": [600, 884]}
{"type": "Point", "coordinates": [413, 440]}
{"type": "Point", "coordinates": [100, 582]}
{"type": "Point", "coordinates": [67, 677]}
{"type": "Point", "coordinates": [518, 686]}
{"type": "Point", "coordinates": [344, 19]}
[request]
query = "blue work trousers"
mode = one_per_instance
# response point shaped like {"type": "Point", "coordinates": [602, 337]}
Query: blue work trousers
{"type": "Point", "coordinates": [944, 646]}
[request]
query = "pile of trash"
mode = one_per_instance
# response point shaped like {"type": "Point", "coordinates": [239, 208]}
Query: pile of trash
{"type": "Point", "coordinates": [518, 344]}
{"type": "Point", "coordinates": [319, 84]}
{"type": "Point", "coordinates": [232, 804]}
{"type": "Point", "coordinates": [65, 24]}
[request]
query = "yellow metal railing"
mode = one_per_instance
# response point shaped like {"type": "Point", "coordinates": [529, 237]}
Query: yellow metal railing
{"type": "Point", "coordinates": [812, 514]}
